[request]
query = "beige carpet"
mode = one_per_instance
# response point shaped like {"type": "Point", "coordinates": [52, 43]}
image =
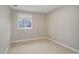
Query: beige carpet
{"type": "Point", "coordinates": [42, 46]}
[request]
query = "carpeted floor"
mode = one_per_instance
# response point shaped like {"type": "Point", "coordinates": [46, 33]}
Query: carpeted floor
{"type": "Point", "coordinates": [42, 46]}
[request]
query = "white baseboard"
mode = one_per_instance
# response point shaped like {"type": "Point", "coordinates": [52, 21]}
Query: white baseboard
{"type": "Point", "coordinates": [5, 52]}
{"type": "Point", "coordinates": [73, 49]}
{"type": "Point", "coordinates": [29, 39]}
{"type": "Point", "coordinates": [62, 44]}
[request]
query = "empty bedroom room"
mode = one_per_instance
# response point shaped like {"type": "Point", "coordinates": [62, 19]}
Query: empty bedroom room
{"type": "Point", "coordinates": [39, 29]}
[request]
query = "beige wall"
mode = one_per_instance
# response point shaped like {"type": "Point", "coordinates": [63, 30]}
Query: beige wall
{"type": "Point", "coordinates": [38, 29]}
{"type": "Point", "coordinates": [4, 28]}
{"type": "Point", "coordinates": [63, 25]}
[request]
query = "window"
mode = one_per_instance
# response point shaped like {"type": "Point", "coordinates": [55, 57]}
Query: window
{"type": "Point", "coordinates": [24, 21]}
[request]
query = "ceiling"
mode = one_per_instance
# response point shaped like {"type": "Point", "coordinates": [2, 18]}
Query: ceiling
{"type": "Point", "coordinates": [35, 8]}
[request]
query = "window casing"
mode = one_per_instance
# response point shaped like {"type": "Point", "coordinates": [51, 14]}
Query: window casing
{"type": "Point", "coordinates": [24, 21]}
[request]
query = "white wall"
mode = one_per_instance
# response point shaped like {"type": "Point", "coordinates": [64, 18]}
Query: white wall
{"type": "Point", "coordinates": [38, 29]}
{"type": "Point", "coordinates": [4, 28]}
{"type": "Point", "coordinates": [63, 25]}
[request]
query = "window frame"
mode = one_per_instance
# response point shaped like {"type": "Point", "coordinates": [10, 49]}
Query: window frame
{"type": "Point", "coordinates": [25, 16]}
